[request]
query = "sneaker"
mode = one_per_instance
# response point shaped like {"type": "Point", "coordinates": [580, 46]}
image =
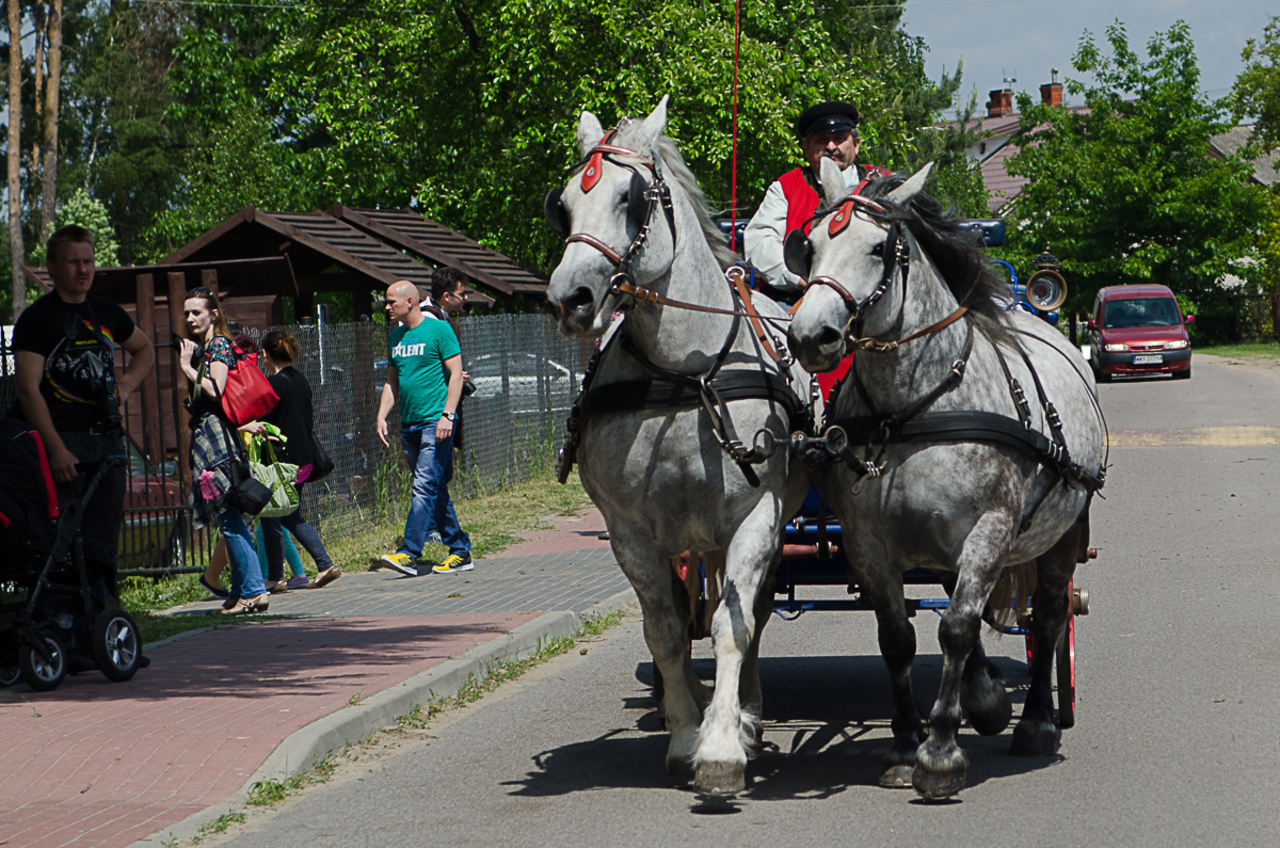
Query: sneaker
{"type": "Point", "coordinates": [326, 577]}
{"type": "Point", "coordinates": [454, 563]}
{"type": "Point", "coordinates": [402, 563]}
{"type": "Point", "coordinates": [298, 581]}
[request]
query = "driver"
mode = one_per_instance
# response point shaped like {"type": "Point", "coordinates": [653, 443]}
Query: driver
{"type": "Point", "coordinates": [828, 130]}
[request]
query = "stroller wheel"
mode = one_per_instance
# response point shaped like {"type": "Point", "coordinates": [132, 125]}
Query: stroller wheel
{"type": "Point", "coordinates": [40, 673]}
{"type": "Point", "coordinates": [10, 673]}
{"type": "Point", "coordinates": [116, 644]}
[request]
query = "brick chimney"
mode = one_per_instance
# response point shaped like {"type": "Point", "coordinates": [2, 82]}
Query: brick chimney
{"type": "Point", "coordinates": [1051, 94]}
{"type": "Point", "coordinates": [1000, 104]}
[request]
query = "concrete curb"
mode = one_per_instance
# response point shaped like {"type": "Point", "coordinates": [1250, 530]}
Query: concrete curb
{"type": "Point", "coordinates": [312, 743]}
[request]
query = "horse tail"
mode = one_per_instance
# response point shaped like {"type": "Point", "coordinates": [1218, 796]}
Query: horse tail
{"type": "Point", "coordinates": [1011, 597]}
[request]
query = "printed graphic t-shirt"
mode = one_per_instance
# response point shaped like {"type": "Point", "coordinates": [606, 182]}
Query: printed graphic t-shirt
{"type": "Point", "coordinates": [419, 355]}
{"type": "Point", "coordinates": [77, 360]}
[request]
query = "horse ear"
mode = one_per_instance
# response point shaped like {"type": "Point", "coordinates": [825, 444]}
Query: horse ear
{"type": "Point", "coordinates": [903, 193]}
{"type": "Point", "coordinates": [833, 187]}
{"type": "Point", "coordinates": [589, 132]}
{"type": "Point", "coordinates": [653, 126]}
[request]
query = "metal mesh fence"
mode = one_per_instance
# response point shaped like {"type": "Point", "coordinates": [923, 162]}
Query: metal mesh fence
{"type": "Point", "coordinates": [526, 376]}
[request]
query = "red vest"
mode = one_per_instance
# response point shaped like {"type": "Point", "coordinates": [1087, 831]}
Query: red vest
{"type": "Point", "coordinates": [802, 200]}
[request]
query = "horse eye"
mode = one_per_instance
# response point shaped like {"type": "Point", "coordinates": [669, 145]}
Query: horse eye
{"type": "Point", "coordinates": [878, 250]}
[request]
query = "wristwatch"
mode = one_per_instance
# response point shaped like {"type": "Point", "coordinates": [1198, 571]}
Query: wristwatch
{"type": "Point", "coordinates": [452, 416]}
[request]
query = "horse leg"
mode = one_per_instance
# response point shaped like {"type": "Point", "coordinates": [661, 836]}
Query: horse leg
{"type": "Point", "coordinates": [750, 694]}
{"type": "Point", "coordinates": [898, 648]}
{"type": "Point", "coordinates": [1036, 734]}
{"type": "Point", "coordinates": [940, 764]}
{"type": "Point", "coordinates": [727, 729]}
{"type": "Point", "coordinates": [680, 596]}
{"type": "Point", "coordinates": [983, 697]}
{"type": "Point", "coordinates": [666, 631]}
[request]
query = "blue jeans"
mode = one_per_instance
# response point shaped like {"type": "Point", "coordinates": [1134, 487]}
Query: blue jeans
{"type": "Point", "coordinates": [273, 541]}
{"type": "Point", "coordinates": [430, 509]}
{"type": "Point", "coordinates": [246, 578]}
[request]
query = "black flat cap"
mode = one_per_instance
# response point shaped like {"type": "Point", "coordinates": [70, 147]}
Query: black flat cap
{"type": "Point", "coordinates": [832, 115]}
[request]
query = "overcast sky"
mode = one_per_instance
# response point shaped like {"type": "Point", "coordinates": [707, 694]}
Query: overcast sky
{"type": "Point", "coordinates": [1027, 38]}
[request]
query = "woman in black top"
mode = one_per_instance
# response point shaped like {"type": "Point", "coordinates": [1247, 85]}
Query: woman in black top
{"type": "Point", "coordinates": [294, 416]}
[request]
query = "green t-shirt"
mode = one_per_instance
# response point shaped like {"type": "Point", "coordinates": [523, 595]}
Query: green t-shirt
{"type": "Point", "coordinates": [419, 355]}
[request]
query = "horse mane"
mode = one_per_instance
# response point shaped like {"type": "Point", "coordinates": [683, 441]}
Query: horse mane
{"type": "Point", "coordinates": [678, 172]}
{"type": "Point", "coordinates": [956, 252]}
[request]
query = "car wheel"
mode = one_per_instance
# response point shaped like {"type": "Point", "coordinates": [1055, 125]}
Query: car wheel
{"type": "Point", "coordinates": [1101, 376]}
{"type": "Point", "coordinates": [116, 644]}
{"type": "Point", "coordinates": [43, 675]}
{"type": "Point", "coordinates": [10, 671]}
{"type": "Point", "coordinates": [1182, 375]}
{"type": "Point", "coordinates": [175, 556]}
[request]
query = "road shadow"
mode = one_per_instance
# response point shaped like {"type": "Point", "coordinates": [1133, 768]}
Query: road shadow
{"type": "Point", "coordinates": [826, 729]}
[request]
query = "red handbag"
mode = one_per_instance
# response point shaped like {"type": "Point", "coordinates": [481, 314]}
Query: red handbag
{"type": "Point", "coordinates": [248, 395]}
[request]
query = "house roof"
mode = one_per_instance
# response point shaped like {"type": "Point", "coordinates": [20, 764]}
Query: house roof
{"type": "Point", "coordinates": [1003, 187]}
{"type": "Point", "coordinates": [406, 230]}
{"type": "Point", "coordinates": [1266, 168]}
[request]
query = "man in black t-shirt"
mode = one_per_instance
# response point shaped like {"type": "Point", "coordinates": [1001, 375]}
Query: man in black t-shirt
{"type": "Point", "coordinates": [64, 346]}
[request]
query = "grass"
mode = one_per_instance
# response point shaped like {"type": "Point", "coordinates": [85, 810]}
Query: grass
{"type": "Point", "coordinates": [1249, 350]}
{"type": "Point", "coordinates": [492, 520]}
{"type": "Point", "coordinates": [266, 792]}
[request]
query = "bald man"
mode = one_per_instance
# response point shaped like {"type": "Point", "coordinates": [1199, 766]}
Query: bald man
{"type": "Point", "coordinates": [424, 373]}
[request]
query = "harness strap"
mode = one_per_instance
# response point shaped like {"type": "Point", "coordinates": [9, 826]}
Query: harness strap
{"type": "Point", "coordinates": [739, 283]}
{"type": "Point", "coordinates": [873, 344]}
{"type": "Point", "coordinates": [599, 244]}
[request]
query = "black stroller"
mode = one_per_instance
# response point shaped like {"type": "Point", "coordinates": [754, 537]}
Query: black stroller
{"type": "Point", "coordinates": [50, 622]}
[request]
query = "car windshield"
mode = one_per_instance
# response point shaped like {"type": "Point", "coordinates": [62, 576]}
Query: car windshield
{"type": "Point", "coordinates": [1139, 312]}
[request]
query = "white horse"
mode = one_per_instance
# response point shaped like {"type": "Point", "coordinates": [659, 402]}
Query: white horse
{"type": "Point", "coordinates": [657, 444]}
{"type": "Point", "coordinates": [968, 440]}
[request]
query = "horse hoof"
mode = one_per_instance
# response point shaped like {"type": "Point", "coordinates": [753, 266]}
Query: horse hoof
{"type": "Point", "coordinates": [896, 777]}
{"type": "Point", "coordinates": [719, 780]}
{"type": "Point", "coordinates": [935, 786]}
{"type": "Point", "coordinates": [989, 711]}
{"type": "Point", "coordinates": [1035, 739]}
{"type": "Point", "coordinates": [679, 774]}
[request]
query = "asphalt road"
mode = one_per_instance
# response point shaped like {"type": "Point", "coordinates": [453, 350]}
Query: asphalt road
{"type": "Point", "coordinates": [1179, 695]}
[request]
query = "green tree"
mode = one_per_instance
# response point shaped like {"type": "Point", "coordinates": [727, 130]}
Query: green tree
{"type": "Point", "coordinates": [1124, 191]}
{"type": "Point", "coordinates": [1256, 93]}
{"type": "Point", "coordinates": [467, 110]}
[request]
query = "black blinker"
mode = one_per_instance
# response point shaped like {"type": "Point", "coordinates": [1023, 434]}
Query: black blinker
{"type": "Point", "coordinates": [555, 213]}
{"type": "Point", "coordinates": [797, 253]}
{"type": "Point", "coordinates": [637, 204]}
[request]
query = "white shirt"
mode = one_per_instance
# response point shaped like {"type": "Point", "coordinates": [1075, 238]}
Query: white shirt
{"type": "Point", "coordinates": [764, 236]}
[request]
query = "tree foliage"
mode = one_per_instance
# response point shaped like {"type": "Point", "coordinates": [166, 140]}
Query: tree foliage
{"type": "Point", "coordinates": [467, 110]}
{"type": "Point", "coordinates": [1124, 191]}
{"type": "Point", "coordinates": [1256, 93]}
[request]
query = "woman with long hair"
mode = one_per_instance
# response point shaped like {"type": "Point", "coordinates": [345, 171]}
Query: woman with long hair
{"type": "Point", "coordinates": [207, 357]}
{"type": "Point", "coordinates": [295, 417]}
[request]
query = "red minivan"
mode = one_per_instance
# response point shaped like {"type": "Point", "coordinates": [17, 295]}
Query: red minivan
{"type": "Point", "coordinates": [1139, 330]}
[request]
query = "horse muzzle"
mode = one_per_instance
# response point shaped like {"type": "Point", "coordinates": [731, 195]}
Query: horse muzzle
{"type": "Point", "coordinates": [817, 349]}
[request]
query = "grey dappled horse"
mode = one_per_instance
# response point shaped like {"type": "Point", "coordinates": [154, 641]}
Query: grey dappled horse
{"type": "Point", "coordinates": [920, 481]}
{"type": "Point", "coordinates": [663, 477]}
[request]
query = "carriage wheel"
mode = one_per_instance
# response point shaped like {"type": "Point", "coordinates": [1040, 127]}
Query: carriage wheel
{"type": "Point", "coordinates": [1067, 672]}
{"type": "Point", "coordinates": [116, 645]}
{"type": "Point", "coordinates": [40, 674]}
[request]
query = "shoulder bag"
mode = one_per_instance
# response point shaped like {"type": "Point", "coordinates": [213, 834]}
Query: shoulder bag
{"type": "Point", "coordinates": [280, 477]}
{"type": "Point", "coordinates": [248, 395]}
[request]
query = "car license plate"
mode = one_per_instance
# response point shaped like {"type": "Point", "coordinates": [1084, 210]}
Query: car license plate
{"type": "Point", "coordinates": [1149, 359]}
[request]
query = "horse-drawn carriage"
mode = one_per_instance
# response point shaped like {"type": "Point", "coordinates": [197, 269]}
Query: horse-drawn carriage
{"type": "Point", "coordinates": [697, 429]}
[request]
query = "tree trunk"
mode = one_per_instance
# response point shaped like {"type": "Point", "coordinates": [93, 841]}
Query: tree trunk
{"type": "Point", "coordinates": [33, 159]}
{"type": "Point", "coordinates": [16, 252]}
{"type": "Point", "coordinates": [53, 50]}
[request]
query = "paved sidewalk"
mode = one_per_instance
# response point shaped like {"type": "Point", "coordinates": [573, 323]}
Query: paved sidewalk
{"type": "Point", "coordinates": [101, 764]}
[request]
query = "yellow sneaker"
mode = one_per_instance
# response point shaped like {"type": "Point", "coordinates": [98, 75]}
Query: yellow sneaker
{"type": "Point", "coordinates": [402, 563]}
{"type": "Point", "coordinates": [454, 563]}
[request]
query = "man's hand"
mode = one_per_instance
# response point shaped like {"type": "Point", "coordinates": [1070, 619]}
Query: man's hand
{"type": "Point", "coordinates": [62, 463]}
{"type": "Point", "coordinates": [382, 432]}
{"type": "Point", "coordinates": [444, 429]}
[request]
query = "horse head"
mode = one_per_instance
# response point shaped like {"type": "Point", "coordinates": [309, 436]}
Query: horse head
{"type": "Point", "coordinates": [616, 211]}
{"type": "Point", "coordinates": [851, 260]}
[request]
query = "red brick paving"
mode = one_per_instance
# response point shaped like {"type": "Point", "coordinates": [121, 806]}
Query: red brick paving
{"type": "Point", "coordinates": [578, 533]}
{"type": "Point", "coordinates": [104, 764]}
